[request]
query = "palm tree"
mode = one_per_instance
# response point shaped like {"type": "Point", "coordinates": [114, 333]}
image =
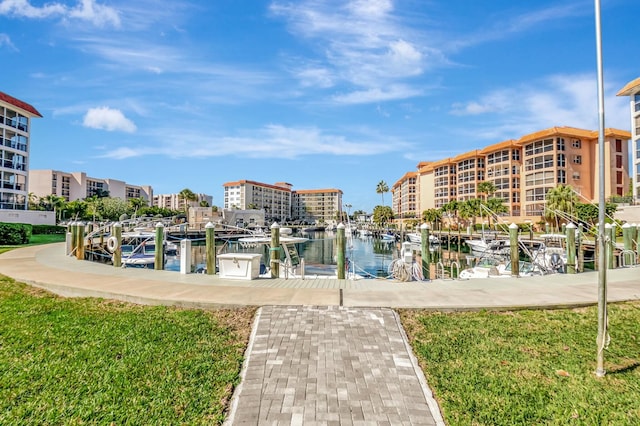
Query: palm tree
{"type": "Point", "coordinates": [432, 216]}
{"type": "Point", "coordinates": [495, 206]}
{"type": "Point", "coordinates": [450, 210]}
{"type": "Point", "coordinates": [470, 209]}
{"type": "Point", "coordinates": [137, 203]}
{"type": "Point", "coordinates": [382, 188]}
{"type": "Point", "coordinates": [487, 188]}
{"type": "Point", "coordinates": [561, 199]}
{"type": "Point", "coordinates": [187, 195]}
{"type": "Point", "coordinates": [33, 201]}
{"type": "Point", "coordinates": [53, 203]}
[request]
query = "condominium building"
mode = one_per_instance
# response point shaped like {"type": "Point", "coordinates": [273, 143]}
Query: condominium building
{"type": "Point", "coordinates": [404, 196]}
{"type": "Point", "coordinates": [524, 170]}
{"type": "Point", "coordinates": [78, 186]}
{"type": "Point", "coordinates": [176, 202]}
{"type": "Point", "coordinates": [15, 126]}
{"type": "Point", "coordinates": [275, 199]}
{"type": "Point", "coordinates": [632, 89]}
{"type": "Point", "coordinates": [316, 205]}
{"type": "Point", "coordinates": [281, 204]}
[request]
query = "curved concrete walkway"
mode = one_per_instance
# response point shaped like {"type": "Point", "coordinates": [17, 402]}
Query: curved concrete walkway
{"type": "Point", "coordinates": [48, 267]}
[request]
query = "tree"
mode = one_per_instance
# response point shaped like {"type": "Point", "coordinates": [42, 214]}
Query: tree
{"type": "Point", "coordinates": [495, 206]}
{"type": "Point", "coordinates": [382, 215]}
{"type": "Point", "coordinates": [561, 201]}
{"type": "Point", "coordinates": [33, 201]}
{"type": "Point", "coordinates": [53, 203]}
{"type": "Point", "coordinates": [487, 188]}
{"type": "Point", "coordinates": [76, 209]}
{"type": "Point", "coordinates": [450, 210]}
{"type": "Point", "coordinates": [136, 204]}
{"type": "Point", "coordinates": [381, 189]}
{"type": "Point", "coordinates": [432, 216]}
{"type": "Point", "coordinates": [204, 203]}
{"type": "Point", "coordinates": [186, 196]}
{"type": "Point", "coordinates": [470, 210]}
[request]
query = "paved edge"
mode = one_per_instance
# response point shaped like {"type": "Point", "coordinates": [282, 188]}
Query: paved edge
{"type": "Point", "coordinates": [233, 405]}
{"type": "Point", "coordinates": [434, 407]}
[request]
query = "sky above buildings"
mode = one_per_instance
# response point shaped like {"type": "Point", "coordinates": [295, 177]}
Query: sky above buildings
{"type": "Point", "coordinates": [320, 94]}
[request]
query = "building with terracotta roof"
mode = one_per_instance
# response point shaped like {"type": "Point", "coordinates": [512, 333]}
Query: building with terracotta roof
{"type": "Point", "coordinates": [405, 196]}
{"type": "Point", "coordinates": [15, 126]}
{"type": "Point", "coordinates": [632, 89]}
{"type": "Point", "coordinates": [281, 203]}
{"type": "Point", "coordinates": [524, 170]}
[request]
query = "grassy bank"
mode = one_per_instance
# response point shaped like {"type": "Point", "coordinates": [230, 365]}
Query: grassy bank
{"type": "Point", "coordinates": [36, 240]}
{"type": "Point", "coordinates": [529, 367]}
{"type": "Point", "coordinates": [92, 361]}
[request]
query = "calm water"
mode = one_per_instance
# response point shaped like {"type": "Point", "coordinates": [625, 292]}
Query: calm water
{"type": "Point", "coordinates": [368, 254]}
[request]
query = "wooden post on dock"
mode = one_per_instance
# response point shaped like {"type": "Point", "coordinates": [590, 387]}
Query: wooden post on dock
{"type": "Point", "coordinates": [340, 249]}
{"type": "Point", "coordinates": [274, 251]}
{"type": "Point", "coordinates": [71, 230]}
{"type": "Point", "coordinates": [425, 255]}
{"type": "Point", "coordinates": [571, 248]}
{"type": "Point", "coordinates": [628, 245]}
{"type": "Point", "coordinates": [580, 249]}
{"type": "Point", "coordinates": [80, 241]}
{"type": "Point", "coordinates": [515, 252]}
{"type": "Point", "coordinates": [117, 253]}
{"type": "Point", "coordinates": [609, 244]}
{"type": "Point", "coordinates": [210, 247]}
{"type": "Point", "coordinates": [159, 254]}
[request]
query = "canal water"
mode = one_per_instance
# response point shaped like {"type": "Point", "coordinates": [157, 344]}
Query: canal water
{"type": "Point", "coordinates": [368, 256]}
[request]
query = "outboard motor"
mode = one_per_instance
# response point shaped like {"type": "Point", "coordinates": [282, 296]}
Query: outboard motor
{"type": "Point", "coordinates": [556, 263]}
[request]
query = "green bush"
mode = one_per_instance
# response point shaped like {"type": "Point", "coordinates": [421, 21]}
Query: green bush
{"type": "Point", "coordinates": [48, 229]}
{"type": "Point", "coordinates": [14, 233]}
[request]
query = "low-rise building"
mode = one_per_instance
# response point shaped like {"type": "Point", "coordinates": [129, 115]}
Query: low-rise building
{"type": "Point", "coordinates": [176, 202]}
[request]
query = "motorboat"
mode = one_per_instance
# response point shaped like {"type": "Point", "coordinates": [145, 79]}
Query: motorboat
{"type": "Point", "coordinates": [489, 248]}
{"type": "Point", "coordinates": [489, 267]}
{"type": "Point", "coordinates": [416, 238]}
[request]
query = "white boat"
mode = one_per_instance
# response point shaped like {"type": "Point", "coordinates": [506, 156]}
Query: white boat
{"type": "Point", "coordinates": [492, 248]}
{"type": "Point", "coordinates": [551, 254]}
{"type": "Point", "coordinates": [388, 238]}
{"type": "Point", "coordinates": [494, 268]}
{"type": "Point", "coordinates": [363, 233]}
{"type": "Point", "coordinates": [416, 238]}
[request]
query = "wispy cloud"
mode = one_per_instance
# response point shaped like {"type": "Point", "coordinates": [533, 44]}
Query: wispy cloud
{"type": "Point", "coordinates": [109, 119]}
{"type": "Point", "coordinates": [559, 100]}
{"type": "Point", "coordinates": [85, 10]}
{"type": "Point", "coordinates": [5, 40]}
{"type": "Point", "coordinates": [359, 43]}
{"type": "Point", "coordinates": [271, 141]}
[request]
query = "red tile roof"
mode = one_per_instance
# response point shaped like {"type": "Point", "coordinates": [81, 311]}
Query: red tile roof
{"type": "Point", "coordinates": [19, 104]}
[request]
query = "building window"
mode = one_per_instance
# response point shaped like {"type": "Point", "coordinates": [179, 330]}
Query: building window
{"type": "Point", "coordinates": [618, 145]}
{"type": "Point", "coordinates": [560, 144]}
{"type": "Point", "coordinates": [562, 176]}
{"type": "Point", "coordinates": [618, 178]}
{"type": "Point", "coordinates": [636, 101]}
{"type": "Point", "coordinates": [619, 161]}
{"type": "Point", "coordinates": [515, 155]}
{"type": "Point", "coordinates": [576, 176]}
{"type": "Point", "coordinates": [577, 159]}
{"type": "Point", "coordinates": [577, 143]}
{"type": "Point", "coordinates": [561, 160]}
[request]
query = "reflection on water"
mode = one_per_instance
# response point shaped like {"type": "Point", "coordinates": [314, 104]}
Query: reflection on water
{"type": "Point", "coordinates": [370, 255]}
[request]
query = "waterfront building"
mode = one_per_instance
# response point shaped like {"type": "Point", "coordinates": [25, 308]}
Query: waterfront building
{"type": "Point", "coordinates": [275, 199]}
{"type": "Point", "coordinates": [176, 202]}
{"type": "Point", "coordinates": [316, 205]}
{"type": "Point", "coordinates": [524, 170]}
{"type": "Point", "coordinates": [404, 196]}
{"type": "Point", "coordinates": [632, 89]}
{"type": "Point", "coordinates": [78, 186]}
{"type": "Point", "coordinates": [15, 131]}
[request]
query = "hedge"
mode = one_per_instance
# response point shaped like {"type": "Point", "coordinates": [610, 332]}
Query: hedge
{"type": "Point", "coordinates": [15, 233]}
{"type": "Point", "coordinates": [48, 229]}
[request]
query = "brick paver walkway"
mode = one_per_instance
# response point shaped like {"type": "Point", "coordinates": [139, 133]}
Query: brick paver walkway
{"type": "Point", "coordinates": [331, 366]}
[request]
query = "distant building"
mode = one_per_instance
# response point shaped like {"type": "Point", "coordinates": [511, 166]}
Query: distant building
{"type": "Point", "coordinates": [281, 204]}
{"type": "Point", "coordinates": [275, 199]}
{"type": "Point", "coordinates": [404, 196]}
{"type": "Point", "coordinates": [522, 171]}
{"type": "Point", "coordinates": [316, 205]}
{"type": "Point", "coordinates": [175, 202]}
{"type": "Point", "coordinates": [632, 89]}
{"type": "Point", "coordinates": [78, 186]}
{"type": "Point", "coordinates": [15, 126]}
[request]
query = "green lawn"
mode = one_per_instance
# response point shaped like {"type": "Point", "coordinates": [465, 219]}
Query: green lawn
{"type": "Point", "coordinates": [529, 367]}
{"type": "Point", "coordinates": [36, 240]}
{"type": "Point", "coordinates": [94, 361]}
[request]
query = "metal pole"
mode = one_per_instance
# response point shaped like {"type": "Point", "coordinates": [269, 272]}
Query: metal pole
{"type": "Point", "coordinates": [602, 266]}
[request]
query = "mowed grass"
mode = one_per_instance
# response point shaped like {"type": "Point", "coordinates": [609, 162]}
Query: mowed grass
{"type": "Point", "coordinates": [37, 240]}
{"type": "Point", "coordinates": [94, 361]}
{"type": "Point", "coordinates": [530, 367]}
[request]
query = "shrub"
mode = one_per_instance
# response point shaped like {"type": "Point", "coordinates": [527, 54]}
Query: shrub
{"type": "Point", "coordinates": [48, 229]}
{"type": "Point", "coordinates": [14, 233]}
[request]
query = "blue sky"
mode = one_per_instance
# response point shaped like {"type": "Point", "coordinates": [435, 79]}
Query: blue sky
{"type": "Point", "coordinates": [320, 94]}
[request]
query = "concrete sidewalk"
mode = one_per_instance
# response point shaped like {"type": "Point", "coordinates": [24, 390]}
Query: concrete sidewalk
{"type": "Point", "coordinates": [48, 267]}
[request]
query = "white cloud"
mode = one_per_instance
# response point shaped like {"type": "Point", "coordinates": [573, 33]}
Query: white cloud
{"type": "Point", "coordinates": [559, 100]}
{"type": "Point", "coordinates": [271, 141]}
{"type": "Point", "coordinates": [377, 94]}
{"type": "Point", "coordinates": [86, 10]}
{"type": "Point", "coordinates": [5, 40]}
{"type": "Point", "coordinates": [359, 43]}
{"type": "Point", "coordinates": [109, 119]}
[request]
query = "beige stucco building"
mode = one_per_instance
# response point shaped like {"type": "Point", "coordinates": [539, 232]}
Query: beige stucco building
{"type": "Point", "coordinates": [632, 89]}
{"type": "Point", "coordinates": [78, 186]}
{"type": "Point", "coordinates": [524, 170]}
